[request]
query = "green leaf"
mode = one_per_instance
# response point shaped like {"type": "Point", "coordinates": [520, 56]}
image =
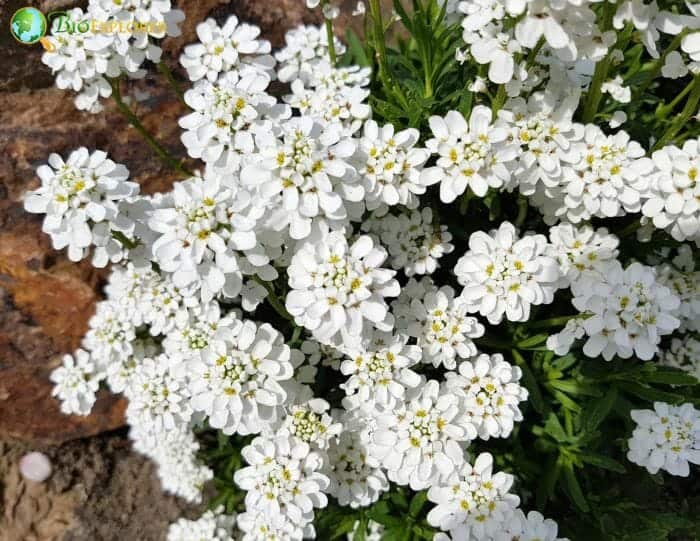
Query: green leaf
{"type": "Point", "coordinates": [649, 393]}
{"type": "Point", "coordinates": [602, 462]}
{"type": "Point", "coordinates": [356, 53]}
{"type": "Point", "coordinates": [533, 341]}
{"type": "Point", "coordinates": [670, 376]}
{"type": "Point", "coordinates": [554, 428]}
{"type": "Point", "coordinates": [597, 410]}
{"type": "Point", "coordinates": [417, 503]}
{"type": "Point", "coordinates": [573, 488]}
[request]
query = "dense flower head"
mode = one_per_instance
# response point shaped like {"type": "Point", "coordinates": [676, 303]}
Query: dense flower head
{"type": "Point", "coordinates": [237, 380]}
{"type": "Point", "coordinates": [76, 382]}
{"type": "Point", "coordinates": [683, 353]}
{"type": "Point", "coordinates": [504, 275]}
{"type": "Point", "coordinates": [419, 442]}
{"type": "Point", "coordinates": [305, 47]}
{"type": "Point", "coordinates": [625, 312]}
{"type": "Point", "coordinates": [667, 438]}
{"type": "Point", "coordinates": [673, 202]}
{"type": "Point", "coordinates": [336, 288]}
{"type": "Point", "coordinates": [473, 502]}
{"type": "Point", "coordinates": [211, 526]}
{"type": "Point", "coordinates": [226, 116]}
{"type": "Point", "coordinates": [490, 394]}
{"type": "Point", "coordinates": [222, 49]}
{"type": "Point", "coordinates": [471, 154]}
{"type": "Point", "coordinates": [78, 194]}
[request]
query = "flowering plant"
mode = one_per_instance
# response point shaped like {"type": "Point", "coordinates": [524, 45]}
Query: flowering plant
{"type": "Point", "coordinates": [436, 286]}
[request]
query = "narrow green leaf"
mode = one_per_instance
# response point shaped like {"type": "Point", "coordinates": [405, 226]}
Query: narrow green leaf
{"type": "Point", "coordinates": [602, 462]}
{"type": "Point", "coordinates": [599, 409]}
{"type": "Point", "coordinates": [574, 489]}
{"type": "Point", "coordinates": [417, 503]}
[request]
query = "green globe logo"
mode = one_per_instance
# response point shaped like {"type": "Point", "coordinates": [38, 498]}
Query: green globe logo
{"type": "Point", "coordinates": [28, 25]}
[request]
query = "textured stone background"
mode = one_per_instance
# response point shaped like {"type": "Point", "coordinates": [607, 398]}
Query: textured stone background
{"type": "Point", "coordinates": [100, 491]}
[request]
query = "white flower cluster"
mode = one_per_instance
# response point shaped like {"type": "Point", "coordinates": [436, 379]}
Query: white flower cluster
{"type": "Point", "coordinates": [666, 438]}
{"type": "Point", "coordinates": [88, 48]}
{"type": "Point", "coordinates": [309, 209]}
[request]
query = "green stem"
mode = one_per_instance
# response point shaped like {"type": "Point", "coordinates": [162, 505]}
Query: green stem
{"type": "Point", "coordinates": [532, 55]}
{"type": "Point", "coordinates": [658, 64]}
{"type": "Point", "coordinates": [170, 77]}
{"type": "Point", "coordinates": [331, 38]}
{"type": "Point", "coordinates": [522, 211]}
{"type": "Point", "coordinates": [630, 229]}
{"type": "Point", "coordinates": [498, 101]}
{"type": "Point", "coordinates": [552, 322]}
{"type": "Point", "coordinates": [160, 151]}
{"type": "Point", "coordinates": [378, 38]}
{"type": "Point", "coordinates": [273, 299]}
{"type": "Point", "coordinates": [666, 109]}
{"type": "Point", "coordinates": [493, 342]}
{"type": "Point", "coordinates": [600, 74]}
{"type": "Point", "coordinates": [690, 109]}
{"type": "Point", "coordinates": [124, 240]}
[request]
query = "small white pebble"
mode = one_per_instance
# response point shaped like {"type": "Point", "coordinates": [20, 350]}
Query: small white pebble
{"type": "Point", "coordinates": [35, 467]}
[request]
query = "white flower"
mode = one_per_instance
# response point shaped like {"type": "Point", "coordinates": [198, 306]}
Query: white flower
{"type": "Point", "coordinates": [191, 338]}
{"type": "Point", "coordinates": [207, 235]}
{"type": "Point", "coordinates": [443, 330]}
{"type": "Point", "coordinates": [544, 129]}
{"type": "Point", "coordinates": [226, 116]}
{"type": "Point", "coordinates": [211, 526]}
{"type": "Point", "coordinates": [76, 383]}
{"type": "Point", "coordinates": [615, 88]}
{"type": "Point", "coordinates": [666, 438]}
{"type": "Point", "coordinates": [490, 393]}
{"type": "Point", "coordinates": [674, 67]}
{"type": "Point", "coordinates": [320, 353]}
{"type": "Point", "coordinates": [391, 166]}
{"type": "Point", "coordinates": [496, 48]}
{"type": "Point", "coordinates": [471, 155]}
{"type": "Point", "coordinates": [672, 202]}
{"type": "Point", "coordinates": [684, 353]}
{"type": "Point", "coordinates": [355, 480]}
{"type": "Point", "coordinates": [159, 398]}
{"type": "Point", "coordinates": [174, 452]}
{"type": "Point", "coordinates": [581, 250]}
{"type": "Point", "coordinates": [473, 503]}
{"type": "Point", "coordinates": [283, 479]}
{"type": "Point", "coordinates": [119, 374]}
{"type": "Point", "coordinates": [686, 285]}
{"type": "Point", "coordinates": [380, 374]}
{"type": "Point", "coordinates": [530, 527]}
{"type": "Point", "coordinates": [625, 313]}
{"type": "Point", "coordinates": [608, 180]}
{"type": "Point", "coordinates": [304, 175]}
{"type": "Point", "coordinates": [419, 442]}
{"type": "Point", "coordinates": [257, 526]}
{"type": "Point", "coordinates": [223, 49]}
{"type": "Point", "coordinates": [505, 275]}
{"type": "Point", "coordinates": [305, 47]}
{"type": "Point", "coordinates": [236, 382]}
{"type": "Point", "coordinates": [617, 119]}
{"type": "Point", "coordinates": [111, 334]}
{"type": "Point", "coordinates": [336, 288]}
{"type": "Point", "coordinates": [333, 96]}
{"type": "Point", "coordinates": [414, 241]}
{"type": "Point", "coordinates": [643, 17]}
{"type": "Point", "coordinates": [310, 423]}
{"type": "Point", "coordinates": [76, 195]}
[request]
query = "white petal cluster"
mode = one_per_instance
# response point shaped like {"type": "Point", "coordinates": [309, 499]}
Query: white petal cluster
{"type": "Point", "coordinates": [83, 61]}
{"type": "Point", "coordinates": [624, 312]}
{"type": "Point", "coordinates": [236, 381]}
{"type": "Point", "coordinates": [414, 241]}
{"type": "Point", "coordinates": [333, 96]}
{"type": "Point", "coordinates": [666, 438]}
{"type": "Point", "coordinates": [530, 527]}
{"type": "Point", "coordinates": [582, 250]}
{"type": "Point", "coordinates": [608, 177]}
{"type": "Point", "coordinates": [473, 502]}
{"type": "Point", "coordinates": [470, 154]}
{"type": "Point", "coordinates": [305, 48]}
{"type": "Point", "coordinates": [505, 275]}
{"type": "Point", "coordinates": [673, 202]}
{"type": "Point", "coordinates": [380, 374]}
{"type": "Point", "coordinates": [226, 116]}
{"type": "Point", "coordinates": [419, 442]}
{"type": "Point", "coordinates": [225, 49]}
{"type": "Point", "coordinates": [439, 322]}
{"type": "Point", "coordinates": [304, 176]}
{"type": "Point", "coordinates": [337, 288]}
{"type": "Point", "coordinates": [76, 383]}
{"type": "Point", "coordinates": [211, 526]}
{"type": "Point", "coordinates": [489, 390]}
{"type": "Point", "coordinates": [284, 486]}
{"type": "Point", "coordinates": [80, 197]}
{"type": "Point", "coordinates": [683, 353]}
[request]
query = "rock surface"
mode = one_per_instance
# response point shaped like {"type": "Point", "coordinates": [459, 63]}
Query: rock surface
{"type": "Point", "coordinates": [98, 491]}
